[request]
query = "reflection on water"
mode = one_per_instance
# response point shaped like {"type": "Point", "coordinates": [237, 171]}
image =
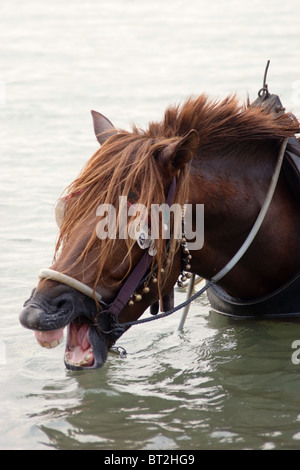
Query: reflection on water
{"type": "Point", "coordinates": [220, 384]}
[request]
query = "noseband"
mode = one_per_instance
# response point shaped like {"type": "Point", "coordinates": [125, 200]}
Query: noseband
{"type": "Point", "coordinates": [69, 281]}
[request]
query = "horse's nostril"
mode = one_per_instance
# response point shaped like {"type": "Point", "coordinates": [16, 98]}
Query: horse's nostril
{"type": "Point", "coordinates": [61, 303]}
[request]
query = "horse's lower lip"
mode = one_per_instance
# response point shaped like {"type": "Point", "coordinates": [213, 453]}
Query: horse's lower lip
{"type": "Point", "coordinates": [85, 362]}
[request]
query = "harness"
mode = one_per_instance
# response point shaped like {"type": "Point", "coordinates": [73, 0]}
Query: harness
{"type": "Point", "coordinates": [220, 300]}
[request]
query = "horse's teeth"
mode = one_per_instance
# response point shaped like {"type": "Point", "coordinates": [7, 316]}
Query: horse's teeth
{"type": "Point", "coordinates": [84, 361]}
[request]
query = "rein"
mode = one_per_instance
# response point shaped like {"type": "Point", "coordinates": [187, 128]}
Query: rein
{"type": "Point", "coordinates": [140, 270]}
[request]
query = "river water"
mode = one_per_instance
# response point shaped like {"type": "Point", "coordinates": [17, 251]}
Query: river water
{"type": "Point", "coordinates": [220, 384]}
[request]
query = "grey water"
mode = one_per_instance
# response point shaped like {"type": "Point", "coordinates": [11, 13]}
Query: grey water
{"type": "Point", "coordinates": [220, 384]}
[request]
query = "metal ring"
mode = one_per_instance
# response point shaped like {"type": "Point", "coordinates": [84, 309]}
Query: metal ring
{"type": "Point", "coordinates": [263, 92]}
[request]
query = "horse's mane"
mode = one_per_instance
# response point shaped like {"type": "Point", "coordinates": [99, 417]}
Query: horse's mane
{"type": "Point", "coordinates": [128, 160]}
{"type": "Point", "coordinates": [126, 164]}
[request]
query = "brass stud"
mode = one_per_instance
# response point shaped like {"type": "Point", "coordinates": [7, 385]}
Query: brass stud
{"type": "Point", "coordinates": [138, 297]}
{"type": "Point", "coordinates": [131, 303]}
{"type": "Point", "coordinates": [146, 290]}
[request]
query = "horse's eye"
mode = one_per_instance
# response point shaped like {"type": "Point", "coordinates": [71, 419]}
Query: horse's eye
{"type": "Point", "coordinates": [60, 211]}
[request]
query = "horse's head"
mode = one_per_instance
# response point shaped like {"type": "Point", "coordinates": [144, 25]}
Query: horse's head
{"type": "Point", "coordinates": [105, 222]}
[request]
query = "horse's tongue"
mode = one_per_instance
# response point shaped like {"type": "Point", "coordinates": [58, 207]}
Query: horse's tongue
{"type": "Point", "coordinates": [79, 351]}
{"type": "Point", "coordinates": [49, 339]}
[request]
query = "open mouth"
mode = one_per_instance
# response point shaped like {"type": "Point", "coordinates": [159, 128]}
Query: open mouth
{"type": "Point", "coordinates": [88, 336]}
{"type": "Point", "coordinates": [79, 351]}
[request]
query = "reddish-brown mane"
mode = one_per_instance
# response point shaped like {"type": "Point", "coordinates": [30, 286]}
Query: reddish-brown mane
{"type": "Point", "coordinates": [223, 124]}
{"type": "Point", "coordinates": [128, 161]}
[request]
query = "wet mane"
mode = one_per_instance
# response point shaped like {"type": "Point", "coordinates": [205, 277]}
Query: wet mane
{"type": "Point", "coordinates": [128, 161]}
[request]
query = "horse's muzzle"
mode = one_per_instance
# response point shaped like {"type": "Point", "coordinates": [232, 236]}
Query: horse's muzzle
{"type": "Point", "coordinates": [88, 334]}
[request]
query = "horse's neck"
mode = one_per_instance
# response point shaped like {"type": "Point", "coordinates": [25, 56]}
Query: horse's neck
{"type": "Point", "coordinates": [232, 199]}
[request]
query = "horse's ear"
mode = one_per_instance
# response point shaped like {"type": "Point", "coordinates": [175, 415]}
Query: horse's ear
{"type": "Point", "coordinates": [103, 127]}
{"type": "Point", "coordinates": [181, 151]}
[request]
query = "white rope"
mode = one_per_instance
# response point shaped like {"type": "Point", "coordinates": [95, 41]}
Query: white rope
{"type": "Point", "coordinates": [187, 307]}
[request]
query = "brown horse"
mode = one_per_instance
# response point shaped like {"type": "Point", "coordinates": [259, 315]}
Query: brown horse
{"type": "Point", "coordinates": [220, 154]}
